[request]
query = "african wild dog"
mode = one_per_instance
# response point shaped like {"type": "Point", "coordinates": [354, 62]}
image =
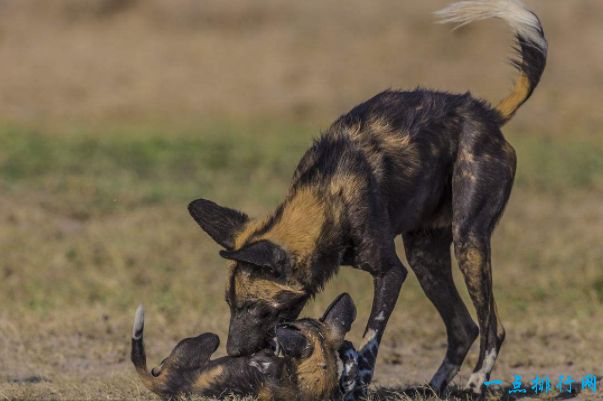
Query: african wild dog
{"type": "Point", "coordinates": [431, 166]}
{"type": "Point", "coordinates": [308, 370]}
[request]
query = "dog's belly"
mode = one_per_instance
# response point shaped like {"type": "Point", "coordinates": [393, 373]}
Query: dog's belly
{"type": "Point", "coordinates": [429, 206]}
{"type": "Point", "coordinates": [420, 197]}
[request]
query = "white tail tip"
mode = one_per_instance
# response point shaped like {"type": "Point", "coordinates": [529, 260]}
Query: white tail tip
{"type": "Point", "coordinates": [523, 21]}
{"type": "Point", "coordinates": [138, 323]}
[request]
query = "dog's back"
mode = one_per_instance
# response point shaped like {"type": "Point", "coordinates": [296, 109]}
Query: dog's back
{"type": "Point", "coordinates": [403, 145]}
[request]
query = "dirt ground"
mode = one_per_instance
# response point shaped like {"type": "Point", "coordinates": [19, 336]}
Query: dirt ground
{"type": "Point", "coordinates": [115, 114]}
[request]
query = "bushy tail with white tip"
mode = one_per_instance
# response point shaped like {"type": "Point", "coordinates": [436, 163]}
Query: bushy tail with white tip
{"type": "Point", "coordinates": [531, 49]}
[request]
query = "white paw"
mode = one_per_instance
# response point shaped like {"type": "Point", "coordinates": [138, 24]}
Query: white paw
{"type": "Point", "coordinates": [476, 382]}
{"type": "Point", "coordinates": [349, 369]}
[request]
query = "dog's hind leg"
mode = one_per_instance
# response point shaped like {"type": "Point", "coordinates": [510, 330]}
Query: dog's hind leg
{"type": "Point", "coordinates": [428, 253]}
{"type": "Point", "coordinates": [482, 179]}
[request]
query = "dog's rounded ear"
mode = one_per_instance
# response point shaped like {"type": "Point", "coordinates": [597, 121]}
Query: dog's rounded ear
{"type": "Point", "coordinates": [339, 317]}
{"type": "Point", "coordinates": [192, 353]}
{"type": "Point", "coordinates": [209, 342]}
{"type": "Point", "coordinates": [263, 254]}
{"type": "Point", "coordinates": [293, 342]}
{"type": "Point", "coordinates": [221, 223]}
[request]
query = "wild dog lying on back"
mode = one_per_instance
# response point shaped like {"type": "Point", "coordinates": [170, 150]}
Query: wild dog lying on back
{"type": "Point", "coordinates": [308, 371]}
{"type": "Point", "coordinates": [433, 167]}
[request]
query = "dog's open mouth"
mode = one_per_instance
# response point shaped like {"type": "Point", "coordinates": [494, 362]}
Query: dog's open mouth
{"type": "Point", "coordinates": [273, 348]}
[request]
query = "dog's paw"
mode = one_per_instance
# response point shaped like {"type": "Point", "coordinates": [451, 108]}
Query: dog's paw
{"type": "Point", "coordinates": [349, 378]}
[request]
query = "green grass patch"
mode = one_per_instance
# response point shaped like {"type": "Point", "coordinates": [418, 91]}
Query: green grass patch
{"type": "Point", "coordinates": [93, 171]}
{"type": "Point", "coordinates": [555, 164]}
{"type": "Point", "coordinates": [124, 167]}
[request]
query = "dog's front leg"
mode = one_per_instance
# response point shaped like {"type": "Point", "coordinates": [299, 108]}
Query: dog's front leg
{"type": "Point", "coordinates": [388, 275]}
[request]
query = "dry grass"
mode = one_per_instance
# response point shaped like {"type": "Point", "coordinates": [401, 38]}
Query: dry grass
{"type": "Point", "coordinates": [116, 113]}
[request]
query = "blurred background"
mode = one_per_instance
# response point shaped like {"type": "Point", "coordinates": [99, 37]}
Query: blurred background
{"type": "Point", "coordinates": [114, 114]}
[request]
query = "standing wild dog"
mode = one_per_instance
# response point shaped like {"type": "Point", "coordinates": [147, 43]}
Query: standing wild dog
{"type": "Point", "coordinates": [308, 370]}
{"type": "Point", "coordinates": [433, 167]}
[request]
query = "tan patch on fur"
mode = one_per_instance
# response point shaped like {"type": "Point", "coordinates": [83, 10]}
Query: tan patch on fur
{"type": "Point", "coordinates": [250, 227]}
{"type": "Point", "coordinates": [474, 257]}
{"type": "Point", "coordinates": [383, 130]}
{"type": "Point", "coordinates": [471, 264]}
{"type": "Point", "coordinates": [353, 131]}
{"type": "Point", "coordinates": [283, 391]}
{"type": "Point", "coordinates": [207, 378]}
{"type": "Point", "coordinates": [248, 287]}
{"type": "Point", "coordinates": [157, 384]}
{"type": "Point", "coordinates": [147, 380]}
{"type": "Point", "coordinates": [265, 393]}
{"type": "Point", "coordinates": [468, 175]}
{"type": "Point", "coordinates": [397, 142]}
{"type": "Point", "coordinates": [317, 374]}
{"type": "Point", "coordinates": [346, 185]}
{"type": "Point", "coordinates": [518, 95]}
{"type": "Point", "coordinates": [300, 224]}
{"type": "Point", "coordinates": [379, 125]}
{"type": "Point", "coordinates": [297, 229]}
{"type": "Point", "coordinates": [466, 157]}
{"type": "Point", "coordinates": [396, 145]}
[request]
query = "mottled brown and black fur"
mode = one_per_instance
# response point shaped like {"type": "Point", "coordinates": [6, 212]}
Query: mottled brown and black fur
{"type": "Point", "coordinates": [431, 166]}
{"type": "Point", "coordinates": [307, 367]}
